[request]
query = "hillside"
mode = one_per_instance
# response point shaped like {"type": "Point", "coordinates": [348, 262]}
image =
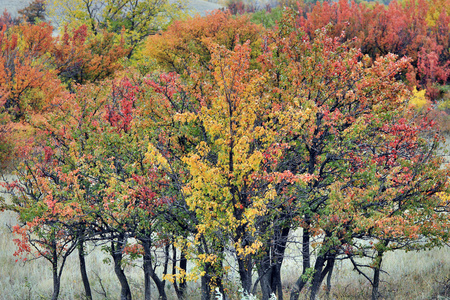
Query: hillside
{"type": "Point", "coordinates": [197, 6]}
{"type": "Point", "coordinates": [201, 7]}
{"type": "Point", "coordinates": [13, 6]}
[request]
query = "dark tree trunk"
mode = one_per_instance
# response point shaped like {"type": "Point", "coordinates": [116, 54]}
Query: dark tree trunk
{"type": "Point", "coordinates": [301, 281]}
{"type": "Point", "coordinates": [183, 266]}
{"type": "Point", "coordinates": [148, 269]}
{"type": "Point", "coordinates": [377, 271]}
{"type": "Point", "coordinates": [84, 276]}
{"type": "Point", "coordinates": [280, 249]}
{"type": "Point", "coordinates": [116, 252]}
{"type": "Point", "coordinates": [206, 285]}
{"type": "Point", "coordinates": [320, 271]}
{"type": "Point", "coordinates": [56, 277]}
{"type": "Point", "coordinates": [147, 282]}
{"type": "Point", "coordinates": [245, 273]}
{"type": "Point", "coordinates": [265, 274]}
{"type": "Point", "coordinates": [317, 277]}
{"type": "Point", "coordinates": [330, 274]}
{"type": "Point", "coordinates": [376, 281]}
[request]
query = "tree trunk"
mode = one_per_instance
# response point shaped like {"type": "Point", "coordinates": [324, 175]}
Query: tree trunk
{"type": "Point", "coordinates": [147, 283]}
{"type": "Point", "coordinates": [317, 277]}
{"type": "Point", "coordinates": [269, 266]}
{"type": "Point", "coordinates": [377, 270]}
{"type": "Point", "coordinates": [245, 273]}
{"type": "Point", "coordinates": [183, 283]}
{"type": "Point", "coordinates": [84, 276]}
{"type": "Point", "coordinates": [280, 249]}
{"type": "Point", "coordinates": [148, 269]}
{"type": "Point", "coordinates": [56, 278]}
{"type": "Point", "coordinates": [116, 252]}
{"type": "Point", "coordinates": [206, 285]}
{"type": "Point", "coordinates": [265, 274]}
{"type": "Point", "coordinates": [376, 281]}
{"type": "Point", "coordinates": [320, 271]}
{"type": "Point", "coordinates": [301, 281]}
{"type": "Point", "coordinates": [330, 274]}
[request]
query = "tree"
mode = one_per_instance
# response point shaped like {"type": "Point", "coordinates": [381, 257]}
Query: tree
{"type": "Point", "coordinates": [185, 42]}
{"type": "Point", "coordinates": [34, 12]}
{"type": "Point", "coordinates": [355, 117]}
{"type": "Point", "coordinates": [410, 28]}
{"type": "Point", "coordinates": [139, 18]}
{"type": "Point", "coordinates": [228, 191]}
{"type": "Point", "coordinates": [81, 57]}
{"type": "Point", "coordinates": [28, 83]}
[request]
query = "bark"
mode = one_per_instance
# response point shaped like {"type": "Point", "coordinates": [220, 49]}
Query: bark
{"type": "Point", "coordinates": [269, 268]}
{"type": "Point", "coordinates": [376, 281]}
{"type": "Point", "coordinates": [183, 283]}
{"type": "Point", "coordinates": [56, 277]}
{"type": "Point", "coordinates": [147, 283]}
{"type": "Point", "coordinates": [301, 282]}
{"type": "Point", "coordinates": [116, 252]}
{"type": "Point", "coordinates": [317, 277]}
{"type": "Point", "coordinates": [84, 276]}
{"type": "Point", "coordinates": [245, 273]}
{"type": "Point", "coordinates": [149, 270]}
{"type": "Point", "coordinates": [377, 271]}
{"type": "Point", "coordinates": [320, 271]}
{"type": "Point", "coordinates": [330, 274]}
{"type": "Point", "coordinates": [206, 285]}
{"type": "Point", "coordinates": [265, 274]}
{"type": "Point", "coordinates": [280, 249]}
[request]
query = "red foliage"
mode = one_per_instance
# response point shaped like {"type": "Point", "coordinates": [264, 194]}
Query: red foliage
{"type": "Point", "coordinates": [400, 28]}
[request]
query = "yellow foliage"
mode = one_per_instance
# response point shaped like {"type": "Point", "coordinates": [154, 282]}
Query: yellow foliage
{"type": "Point", "coordinates": [155, 157]}
{"type": "Point", "coordinates": [436, 7]}
{"type": "Point", "coordinates": [418, 99]}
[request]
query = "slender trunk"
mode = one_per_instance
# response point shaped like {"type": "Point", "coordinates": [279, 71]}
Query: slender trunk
{"type": "Point", "coordinates": [320, 271]}
{"type": "Point", "coordinates": [330, 274]}
{"type": "Point", "coordinates": [56, 278]}
{"type": "Point", "coordinates": [147, 283]}
{"type": "Point", "coordinates": [84, 276]}
{"type": "Point", "coordinates": [265, 274]}
{"type": "Point", "coordinates": [377, 270]}
{"type": "Point", "coordinates": [160, 284]}
{"type": "Point", "coordinates": [301, 281]}
{"type": "Point", "coordinates": [269, 265]}
{"type": "Point", "coordinates": [183, 266]}
{"type": "Point", "coordinates": [279, 288]}
{"type": "Point", "coordinates": [178, 290]}
{"type": "Point", "coordinates": [245, 273]}
{"type": "Point", "coordinates": [317, 277]}
{"type": "Point", "coordinates": [206, 284]}
{"type": "Point", "coordinates": [116, 252]}
{"type": "Point", "coordinates": [280, 249]}
{"type": "Point", "coordinates": [376, 281]}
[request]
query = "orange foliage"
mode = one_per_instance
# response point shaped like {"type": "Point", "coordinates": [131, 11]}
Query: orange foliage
{"type": "Point", "coordinates": [185, 42]}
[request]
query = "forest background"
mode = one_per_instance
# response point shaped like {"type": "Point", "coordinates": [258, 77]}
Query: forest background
{"type": "Point", "coordinates": [136, 138]}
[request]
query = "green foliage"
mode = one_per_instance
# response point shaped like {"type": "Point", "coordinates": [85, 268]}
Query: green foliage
{"type": "Point", "coordinates": [267, 18]}
{"type": "Point", "coordinates": [34, 12]}
{"type": "Point", "coordinates": [138, 19]}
